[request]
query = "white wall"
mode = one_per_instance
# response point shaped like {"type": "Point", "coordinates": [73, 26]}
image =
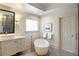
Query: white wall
{"type": "Point", "coordinates": [21, 29]}
{"type": "Point", "coordinates": [55, 28]}
{"type": "Point", "coordinates": [52, 16]}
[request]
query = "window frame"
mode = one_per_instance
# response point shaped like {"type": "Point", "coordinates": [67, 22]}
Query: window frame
{"type": "Point", "coordinates": [32, 30]}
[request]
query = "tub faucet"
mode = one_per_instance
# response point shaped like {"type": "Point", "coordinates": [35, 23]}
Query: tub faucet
{"type": "Point", "coordinates": [31, 43]}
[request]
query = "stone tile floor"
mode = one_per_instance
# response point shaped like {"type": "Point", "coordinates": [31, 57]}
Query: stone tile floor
{"type": "Point", "coordinates": [52, 52]}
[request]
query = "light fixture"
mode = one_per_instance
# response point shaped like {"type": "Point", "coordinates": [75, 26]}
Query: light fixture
{"type": "Point", "coordinates": [40, 13]}
{"type": "Point", "coordinates": [17, 19]}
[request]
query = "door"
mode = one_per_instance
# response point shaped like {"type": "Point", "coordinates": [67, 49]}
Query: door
{"type": "Point", "coordinates": [68, 34]}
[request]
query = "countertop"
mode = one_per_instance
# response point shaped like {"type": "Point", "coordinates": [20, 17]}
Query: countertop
{"type": "Point", "coordinates": [4, 38]}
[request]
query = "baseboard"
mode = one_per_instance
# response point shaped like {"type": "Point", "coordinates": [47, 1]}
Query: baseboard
{"type": "Point", "coordinates": [69, 51]}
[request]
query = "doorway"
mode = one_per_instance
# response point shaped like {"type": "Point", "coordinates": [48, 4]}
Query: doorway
{"type": "Point", "coordinates": [69, 34]}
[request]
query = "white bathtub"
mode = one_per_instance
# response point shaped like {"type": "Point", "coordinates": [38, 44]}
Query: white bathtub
{"type": "Point", "coordinates": [41, 46]}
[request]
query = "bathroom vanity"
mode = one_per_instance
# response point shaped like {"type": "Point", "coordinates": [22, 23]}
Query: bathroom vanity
{"type": "Point", "coordinates": [10, 45]}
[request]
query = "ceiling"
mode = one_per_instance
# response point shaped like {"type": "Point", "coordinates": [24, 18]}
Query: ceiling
{"type": "Point", "coordinates": [24, 7]}
{"type": "Point", "coordinates": [16, 6]}
{"type": "Point", "coordinates": [36, 8]}
{"type": "Point", "coordinates": [42, 6]}
{"type": "Point", "coordinates": [49, 6]}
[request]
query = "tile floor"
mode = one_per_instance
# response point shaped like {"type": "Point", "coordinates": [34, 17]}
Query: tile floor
{"type": "Point", "coordinates": [52, 52]}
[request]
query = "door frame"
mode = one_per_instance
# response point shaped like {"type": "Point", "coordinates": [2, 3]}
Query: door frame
{"type": "Point", "coordinates": [60, 32]}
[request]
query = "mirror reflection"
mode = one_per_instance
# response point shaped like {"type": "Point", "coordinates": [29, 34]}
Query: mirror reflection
{"type": "Point", "coordinates": [7, 21]}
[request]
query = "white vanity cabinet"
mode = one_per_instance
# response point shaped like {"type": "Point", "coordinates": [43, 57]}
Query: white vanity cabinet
{"type": "Point", "coordinates": [21, 45]}
{"type": "Point", "coordinates": [12, 46]}
{"type": "Point", "coordinates": [8, 47]}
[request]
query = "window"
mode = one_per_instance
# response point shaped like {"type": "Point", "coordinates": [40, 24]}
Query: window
{"type": "Point", "coordinates": [31, 25]}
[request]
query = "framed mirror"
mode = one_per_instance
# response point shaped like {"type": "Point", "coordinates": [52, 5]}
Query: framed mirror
{"type": "Point", "coordinates": [7, 21]}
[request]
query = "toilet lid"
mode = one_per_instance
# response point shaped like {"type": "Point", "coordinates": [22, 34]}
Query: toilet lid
{"type": "Point", "coordinates": [41, 43]}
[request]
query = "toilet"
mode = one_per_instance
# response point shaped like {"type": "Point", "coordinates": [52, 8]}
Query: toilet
{"type": "Point", "coordinates": [41, 46]}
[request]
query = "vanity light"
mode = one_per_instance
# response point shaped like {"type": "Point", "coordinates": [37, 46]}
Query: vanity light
{"type": "Point", "coordinates": [17, 19]}
{"type": "Point", "coordinates": [16, 22]}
